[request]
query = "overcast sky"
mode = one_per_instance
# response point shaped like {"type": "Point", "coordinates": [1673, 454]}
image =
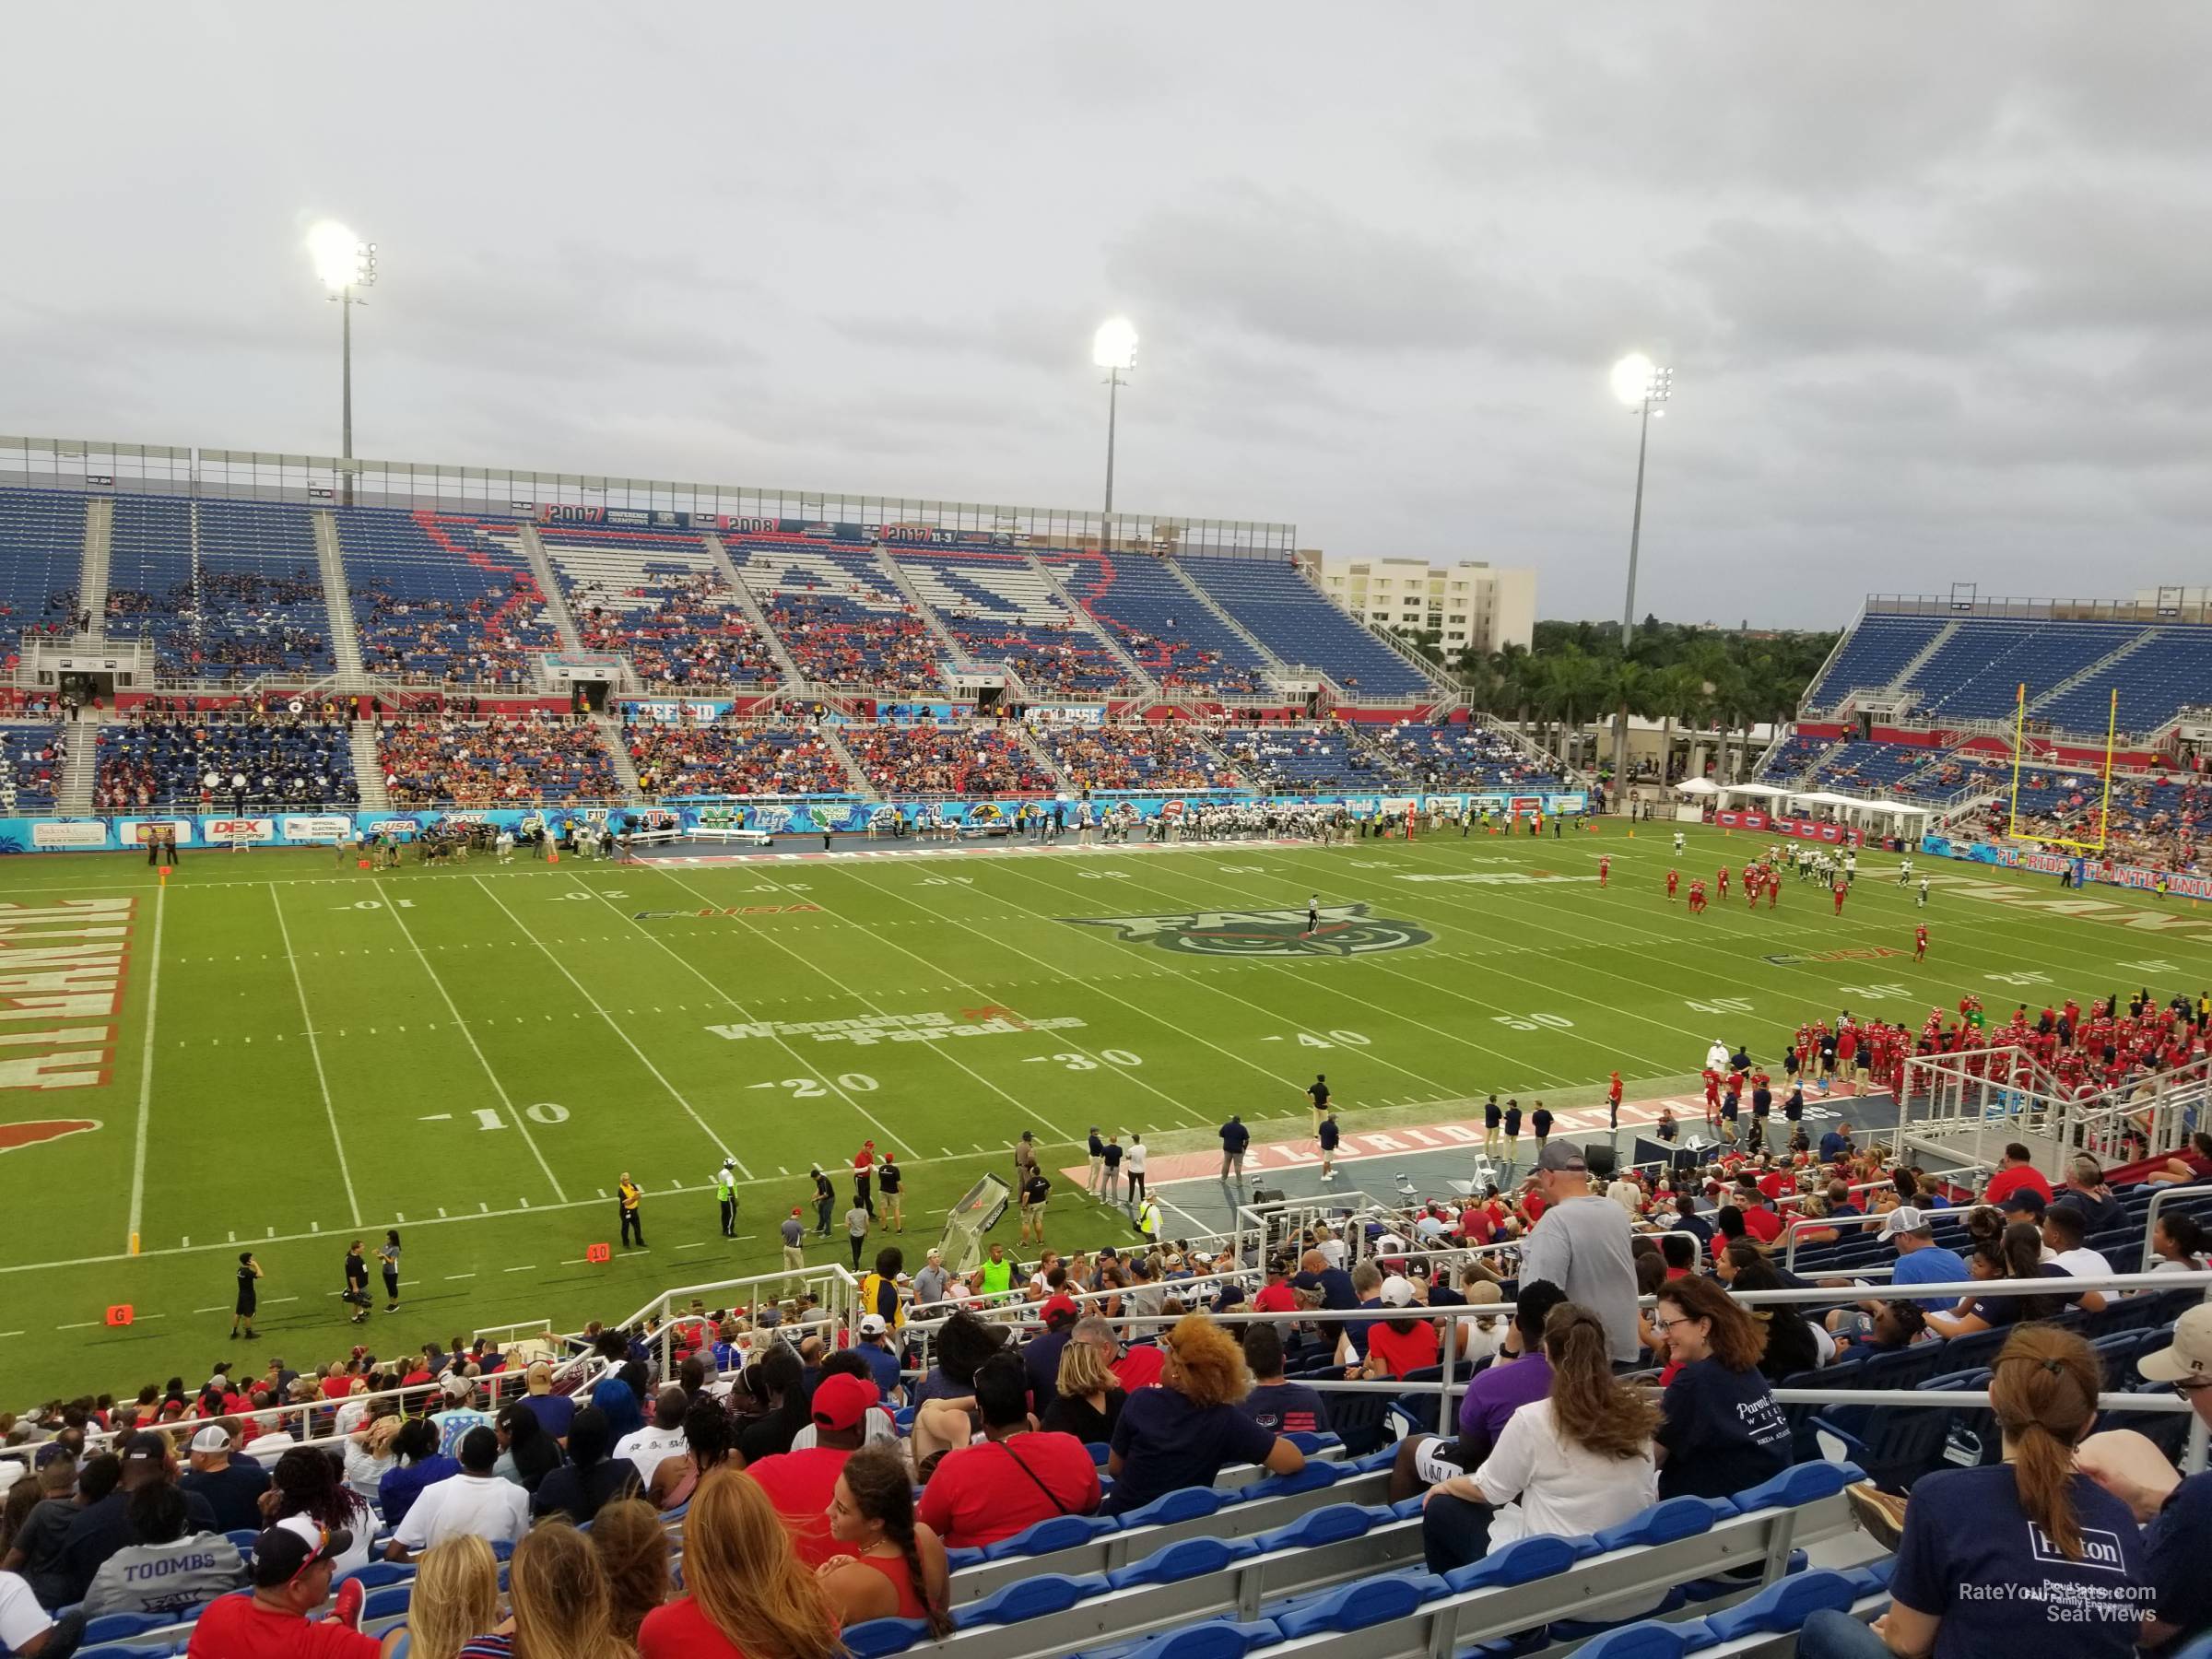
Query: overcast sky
{"type": "Point", "coordinates": [1933, 280]}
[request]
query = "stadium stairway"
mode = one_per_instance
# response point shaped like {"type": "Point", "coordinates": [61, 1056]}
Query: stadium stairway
{"type": "Point", "coordinates": [1148, 687]}
{"type": "Point", "coordinates": [344, 638]}
{"type": "Point", "coordinates": [626, 770]}
{"type": "Point", "coordinates": [80, 771]}
{"type": "Point", "coordinates": [557, 602]}
{"type": "Point", "coordinates": [743, 597]}
{"type": "Point", "coordinates": [92, 579]}
{"type": "Point", "coordinates": [898, 579]}
{"type": "Point", "coordinates": [862, 785]}
{"type": "Point", "coordinates": [1043, 755]}
{"type": "Point", "coordinates": [1228, 621]}
{"type": "Point", "coordinates": [368, 768]}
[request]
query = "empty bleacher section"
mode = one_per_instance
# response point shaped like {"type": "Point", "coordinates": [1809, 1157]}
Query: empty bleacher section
{"type": "Point", "coordinates": [438, 600]}
{"type": "Point", "coordinates": [41, 550]}
{"type": "Point", "coordinates": [516, 760]}
{"type": "Point", "coordinates": [221, 590]}
{"type": "Point", "coordinates": [1156, 757]}
{"type": "Point", "coordinates": [1181, 644]}
{"type": "Point", "coordinates": [675, 761]}
{"type": "Point", "coordinates": [1977, 672]}
{"type": "Point", "coordinates": [2171, 670]}
{"type": "Point", "coordinates": [167, 766]}
{"type": "Point", "coordinates": [1001, 610]}
{"type": "Point", "coordinates": [841, 618]}
{"type": "Point", "coordinates": [1461, 757]}
{"type": "Point", "coordinates": [1295, 759]}
{"type": "Point", "coordinates": [1873, 654]}
{"type": "Point", "coordinates": [1294, 619]}
{"type": "Point", "coordinates": [658, 597]}
{"type": "Point", "coordinates": [930, 761]}
{"type": "Point", "coordinates": [31, 758]}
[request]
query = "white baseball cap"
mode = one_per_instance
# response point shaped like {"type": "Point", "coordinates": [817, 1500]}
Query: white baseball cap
{"type": "Point", "coordinates": [214, 1438]}
{"type": "Point", "coordinates": [2188, 1358]}
{"type": "Point", "coordinates": [1397, 1292]}
{"type": "Point", "coordinates": [1904, 1219]}
{"type": "Point", "coordinates": [871, 1324]}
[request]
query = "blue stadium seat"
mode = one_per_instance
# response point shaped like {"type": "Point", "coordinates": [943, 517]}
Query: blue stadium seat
{"type": "Point", "coordinates": [1002, 610]}
{"type": "Point", "coordinates": [221, 589]}
{"type": "Point", "coordinates": [1183, 1558]}
{"type": "Point", "coordinates": [1523, 1561]}
{"type": "Point", "coordinates": [1029, 1598]}
{"type": "Point", "coordinates": [879, 1638]}
{"type": "Point", "coordinates": [1355, 1607]}
{"type": "Point", "coordinates": [1329, 1525]}
{"type": "Point", "coordinates": [1313, 1477]}
{"type": "Point", "coordinates": [1584, 1630]}
{"type": "Point", "coordinates": [1185, 1504]}
{"type": "Point", "coordinates": [1798, 1484]}
{"type": "Point", "coordinates": [1213, 1638]}
{"type": "Point", "coordinates": [1783, 1605]}
{"type": "Point", "coordinates": [1661, 1524]}
{"type": "Point", "coordinates": [1648, 1639]}
{"type": "Point", "coordinates": [1054, 1532]}
{"type": "Point", "coordinates": [121, 1627]}
{"type": "Point", "coordinates": [1173, 636]}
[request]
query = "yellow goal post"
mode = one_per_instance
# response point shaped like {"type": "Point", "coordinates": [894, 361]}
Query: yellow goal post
{"type": "Point", "coordinates": [2104, 808]}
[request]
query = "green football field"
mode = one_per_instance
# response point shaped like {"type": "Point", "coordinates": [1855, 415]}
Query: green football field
{"type": "Point", "coordinates": [298, 1053]}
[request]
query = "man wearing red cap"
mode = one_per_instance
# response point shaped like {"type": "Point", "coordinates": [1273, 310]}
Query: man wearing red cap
{"type": "Point", "coordinates": [864, 1174]}
{"type": "Point", "coordinates": [800, 1484]}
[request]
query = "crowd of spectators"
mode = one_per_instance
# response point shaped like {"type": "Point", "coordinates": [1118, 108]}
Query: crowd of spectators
{"type": "Point", "coordinates": [927, 760]}
{"type": "Point", "coordinates": [485, 639]}
{"type": "Point", "coordinates": [851, 646]}
{"type": "Point", "coordinates": [236, 758]}
{"type": "Point", "coordinates": [229, 623]}
{"type": "Point", "coordinates": [728, 757]}
{"type": "Point", "coordinates": [1182, 666]}
{"type": "Point", "coordinates": [823, 1472]}
{"type": "Point", "coordinates": [505, 761]}
{"type": "Point", "coordinates": [31, 760]}
{"type": "Point", "coordinates": [1459, 757]}
{"type": "Point", "coordinates": [1062, 661]}
{"type": "Point", "coordinates": [679, 632]}
{"type": "Point", "coordinates": [1146, 757]}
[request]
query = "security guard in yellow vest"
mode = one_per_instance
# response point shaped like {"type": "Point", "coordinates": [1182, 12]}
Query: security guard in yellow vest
{"type": "Point", "coordinates": [726, 1194]}
{"type": "Point", "coordinates": [628, 1196]}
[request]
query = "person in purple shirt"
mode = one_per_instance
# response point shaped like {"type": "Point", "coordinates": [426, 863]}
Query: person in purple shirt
{"type": "Point", "coordinates": [1515, 1375]}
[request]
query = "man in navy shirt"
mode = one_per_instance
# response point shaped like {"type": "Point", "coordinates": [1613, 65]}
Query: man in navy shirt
{"type": "Point", "coordinates": [1235, 1137]}
{"type": "Point", "coordinates": [1836, 1143]}
{"type": "Point", "coordinates": [1539, 1125]}
{"type": "Point", "coordinates": [1512, 1135]}
{"type": "Point", "coordinates": [1331, 1137]}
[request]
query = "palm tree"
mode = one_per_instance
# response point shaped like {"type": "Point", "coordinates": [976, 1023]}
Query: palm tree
{"type": "Point", "coordinates": [1676, 693]}
{"type": "Point", "coordinates": [1519, 682]}
{"type": "Point", "coordinates": [1575, 684]}
{"type": "Point", "coordinates": [1632, 693]}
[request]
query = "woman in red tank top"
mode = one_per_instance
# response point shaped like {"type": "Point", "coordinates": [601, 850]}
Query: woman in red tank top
{"type": "Point", "coordinates": [896, 1567]}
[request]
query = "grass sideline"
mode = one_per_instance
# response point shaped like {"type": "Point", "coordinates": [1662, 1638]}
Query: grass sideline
{"type": "Point", "coordinates": [476, 1055]}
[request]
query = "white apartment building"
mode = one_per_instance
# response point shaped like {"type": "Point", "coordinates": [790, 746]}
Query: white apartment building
{"type": "Point", "coordinates": [1466, 603]}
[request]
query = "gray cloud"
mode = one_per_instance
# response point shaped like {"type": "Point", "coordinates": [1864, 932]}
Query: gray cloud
{"type": "Point", "coordinates": [1933, 283]}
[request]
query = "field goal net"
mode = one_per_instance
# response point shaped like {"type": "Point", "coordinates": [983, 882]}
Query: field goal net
{"type": "Point", "coordinates": [969, 1220]}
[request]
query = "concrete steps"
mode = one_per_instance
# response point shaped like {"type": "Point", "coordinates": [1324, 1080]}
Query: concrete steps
{"type": "Point", "coordinates": [337, 600]}
{"type": "Point", "coordinates": [368, 770]}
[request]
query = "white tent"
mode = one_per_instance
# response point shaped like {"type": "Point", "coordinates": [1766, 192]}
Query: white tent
{"type": "Point", "coordinates": [1697, 786]}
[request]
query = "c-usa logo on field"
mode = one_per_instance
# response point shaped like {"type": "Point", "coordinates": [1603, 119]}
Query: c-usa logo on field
{"type": "Point", "coordinates": [1345, 930]}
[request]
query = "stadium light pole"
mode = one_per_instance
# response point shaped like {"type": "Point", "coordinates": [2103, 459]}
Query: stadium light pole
{"type": "Point", "coordinates": [1113, 349]}
{"type": "Point", "coordinates": [344, 262]}
{"type": "Point", "coordinates": [1643, 386]}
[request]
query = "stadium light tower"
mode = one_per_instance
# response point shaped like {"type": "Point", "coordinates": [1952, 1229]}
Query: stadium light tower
{"type": "Point", "coordinates": [1643, 386]}
{"type": "Point", "coordinates": [1113, 349]}
{"type": "Point", "coordinates": [344, 262]}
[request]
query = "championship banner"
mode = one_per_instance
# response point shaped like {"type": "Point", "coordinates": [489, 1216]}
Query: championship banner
{"type": "Point", "coordinates": [673, 712]}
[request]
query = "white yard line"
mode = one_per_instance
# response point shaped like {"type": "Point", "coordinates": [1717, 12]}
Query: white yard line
{"type": "Point", "coordinates": [955, 982]}
{"type": "Point", "coordinates": [469, 1037]}
{"type": "Point", "coordinates": [890, 1137]}
{"type": "Point", "coordinates": [145, 1075]}
{"type": "Point", "coordinates": [314, 1049]}
{"type": "Point", "coordinates": [614, 1025]}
